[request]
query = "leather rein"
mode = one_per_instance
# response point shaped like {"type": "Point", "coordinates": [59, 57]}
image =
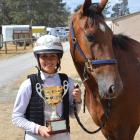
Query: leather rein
{"type": "Point", "coordinates": [88, 66]}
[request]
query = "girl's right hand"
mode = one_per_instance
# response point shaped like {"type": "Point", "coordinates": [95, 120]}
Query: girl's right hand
{"type": "Point", "coordinates": [44, 131]}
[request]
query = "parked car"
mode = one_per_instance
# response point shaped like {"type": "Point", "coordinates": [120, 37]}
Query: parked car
{"type": "Point", "coordinates": [61, 32]}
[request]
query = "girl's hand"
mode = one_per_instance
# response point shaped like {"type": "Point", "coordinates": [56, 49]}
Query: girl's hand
{"type": "Point", "coordinates": [44, 131]}
{"type": "Point", "coordinates": [77, 94]}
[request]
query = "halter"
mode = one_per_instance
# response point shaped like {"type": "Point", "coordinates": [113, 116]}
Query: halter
{"type": "Point", "coordinates": [88, 65]}
{"type": "Point", "coordinates": [88, 62]}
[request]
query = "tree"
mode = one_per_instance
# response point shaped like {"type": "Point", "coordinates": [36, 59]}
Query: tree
{"type": "Point", "coordinates": [4, 13]}
{"type": "Point", "coordinates": [106, 9]}
{"type": "Point", "coordinates": [39, 12]}
{"type": "Point", "coordinates": [77, 8]}
{"type": "Point", "coordinates": [120, 9]}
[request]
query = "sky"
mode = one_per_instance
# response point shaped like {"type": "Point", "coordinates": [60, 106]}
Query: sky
{"type": "Point", "coordinates": [134, 5]}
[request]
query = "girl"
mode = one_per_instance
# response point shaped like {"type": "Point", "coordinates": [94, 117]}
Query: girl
{"type": "Point", "coordinates": [33, 107]}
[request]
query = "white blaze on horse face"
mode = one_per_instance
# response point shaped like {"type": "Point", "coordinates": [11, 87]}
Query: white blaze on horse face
{"type": "Point", "coordinates": [102, 27]}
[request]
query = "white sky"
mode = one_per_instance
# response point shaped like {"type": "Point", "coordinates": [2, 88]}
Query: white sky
{"type": "Point", "coordinates": [134, 5]}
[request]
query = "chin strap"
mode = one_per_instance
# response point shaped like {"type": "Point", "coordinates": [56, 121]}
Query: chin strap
{"type": "Point", "coordinates": [39, 75]}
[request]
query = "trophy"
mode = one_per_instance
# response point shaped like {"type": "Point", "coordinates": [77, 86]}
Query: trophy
{"type": "Point", "coordinates": [53, 96]}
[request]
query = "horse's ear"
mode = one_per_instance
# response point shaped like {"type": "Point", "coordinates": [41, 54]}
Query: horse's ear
{"type": "Point", "coordinates": [102, 4]}
{"type": "Point", "coordinates": [86, 5]}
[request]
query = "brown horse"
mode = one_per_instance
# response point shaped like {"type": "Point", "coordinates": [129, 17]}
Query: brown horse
{"type": "Point", "coordinates": [109, 67]}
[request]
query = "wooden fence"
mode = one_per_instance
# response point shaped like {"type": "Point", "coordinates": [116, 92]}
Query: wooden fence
{"type": "Point", "coordinates": [1, 41]}
{"type": "Point", "coordinates": [16, 42]}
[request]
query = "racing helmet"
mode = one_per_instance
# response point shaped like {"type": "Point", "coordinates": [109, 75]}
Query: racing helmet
{"type": "Point", "coordinates": [48, 44]}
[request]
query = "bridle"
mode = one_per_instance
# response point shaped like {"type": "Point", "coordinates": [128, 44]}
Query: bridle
{"type": "Point", "coordinates": [88, 62]}
{"type": "Point", "coordinates": [88, 66]}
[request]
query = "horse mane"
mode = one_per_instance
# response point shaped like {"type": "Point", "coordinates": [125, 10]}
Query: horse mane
{"type": "Point", "coordinates": [122, 42]}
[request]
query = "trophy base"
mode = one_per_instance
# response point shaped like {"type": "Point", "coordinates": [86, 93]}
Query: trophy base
{"type": "Point", "coordinates": [57, 126]}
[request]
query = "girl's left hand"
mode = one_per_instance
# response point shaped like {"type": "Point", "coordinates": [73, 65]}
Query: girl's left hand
{"type": "Point", "coordinates": [77, 95]}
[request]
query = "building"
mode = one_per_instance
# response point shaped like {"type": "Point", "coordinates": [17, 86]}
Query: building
{"type": "Point", "coordinates": [128, 25]}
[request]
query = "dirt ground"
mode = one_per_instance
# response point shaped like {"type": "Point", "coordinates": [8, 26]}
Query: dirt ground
{"type": "Point", "coordinates": [10, 132]}
{"type": "Point", "coordinates": [11, 51]}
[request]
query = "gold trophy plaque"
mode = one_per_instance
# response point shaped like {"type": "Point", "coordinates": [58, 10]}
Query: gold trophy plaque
{"type": "Point", "coordinates": [53, 96]}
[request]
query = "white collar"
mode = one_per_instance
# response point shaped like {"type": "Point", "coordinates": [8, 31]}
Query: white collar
{"type": "Point", "coordinates": [46, 75]}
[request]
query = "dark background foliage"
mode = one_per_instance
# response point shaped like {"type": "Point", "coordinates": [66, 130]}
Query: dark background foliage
{"type": "Point", "coordinates": [38, 12]}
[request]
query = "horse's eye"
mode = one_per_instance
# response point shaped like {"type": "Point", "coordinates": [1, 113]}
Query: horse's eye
{"type": "Point", "coordinates": [91, 37]}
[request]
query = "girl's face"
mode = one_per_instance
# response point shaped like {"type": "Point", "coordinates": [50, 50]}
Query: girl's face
{"type": "Point", "coordinates": [48, 62]}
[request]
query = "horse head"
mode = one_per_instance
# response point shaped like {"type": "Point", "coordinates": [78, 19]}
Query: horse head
{"type": "Point", "coordinates": [92, 51]}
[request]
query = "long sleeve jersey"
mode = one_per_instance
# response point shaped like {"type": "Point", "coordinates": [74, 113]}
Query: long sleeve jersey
{"type": "Point", "coordinates": [23, 99]}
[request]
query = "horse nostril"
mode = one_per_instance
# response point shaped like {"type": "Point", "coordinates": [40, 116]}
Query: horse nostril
{"type": "Point", "coordinates": [111, 90]}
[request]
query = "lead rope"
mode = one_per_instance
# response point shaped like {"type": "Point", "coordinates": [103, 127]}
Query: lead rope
{"type": "Point", "coordinates": [102, 125]}
{"type": "Point", "coordinates": [84, 104]}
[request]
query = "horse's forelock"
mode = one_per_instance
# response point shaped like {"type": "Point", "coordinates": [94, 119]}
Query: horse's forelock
{"type": "Point", "coordinates": [93, 11]}
{"type": "Point", "coordinates": [86, 5]}
{"type": "Point", "coordinates": [97, 6]}
{"type": "Point", "coordinates": [93, 17]}
{"type": "Point", "coordinates": [94, 8]}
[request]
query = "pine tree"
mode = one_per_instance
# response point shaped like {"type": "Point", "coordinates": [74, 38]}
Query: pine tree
{"type": "Point", "coordinates": [120, 9]}
{"type": "Point", "coordinates": [39, 12]}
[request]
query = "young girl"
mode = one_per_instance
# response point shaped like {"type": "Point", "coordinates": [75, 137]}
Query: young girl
{"type": "Point", "coordinates": [33, 108]}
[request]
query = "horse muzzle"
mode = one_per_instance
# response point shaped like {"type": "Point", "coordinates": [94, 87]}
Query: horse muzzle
{"type": "Point", "coordinates": [110, 90]}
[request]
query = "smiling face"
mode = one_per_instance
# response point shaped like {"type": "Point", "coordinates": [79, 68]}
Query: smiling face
{"type": "Point", "coordinates": [49, 62]}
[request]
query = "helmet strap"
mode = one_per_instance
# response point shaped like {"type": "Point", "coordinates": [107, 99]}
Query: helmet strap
{"type": "Point", "coordinates": [39, 75]}
{"type": "Point", "coordinates": [58, 67]}
{"type": "Point", "coordinates": [39, 66]}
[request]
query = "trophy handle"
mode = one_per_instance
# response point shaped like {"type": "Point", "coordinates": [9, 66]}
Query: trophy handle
{"type": "Point", "coordinates": [39, 89]}
{"type": "Point", "coordinates": [65, 86]}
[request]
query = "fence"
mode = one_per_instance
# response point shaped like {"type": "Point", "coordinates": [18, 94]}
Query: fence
{"type": "Point", "coordinates": [1, 41]}
{"type": "Point", "coordinates": [16, 43]}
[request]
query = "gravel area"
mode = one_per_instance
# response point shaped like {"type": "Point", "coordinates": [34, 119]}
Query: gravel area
{"type": "Point", "coordinates": [13, 71]}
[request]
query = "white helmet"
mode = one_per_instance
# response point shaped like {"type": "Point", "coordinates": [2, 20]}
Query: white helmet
{"type": "Point", "coordinates": [48, 44]}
